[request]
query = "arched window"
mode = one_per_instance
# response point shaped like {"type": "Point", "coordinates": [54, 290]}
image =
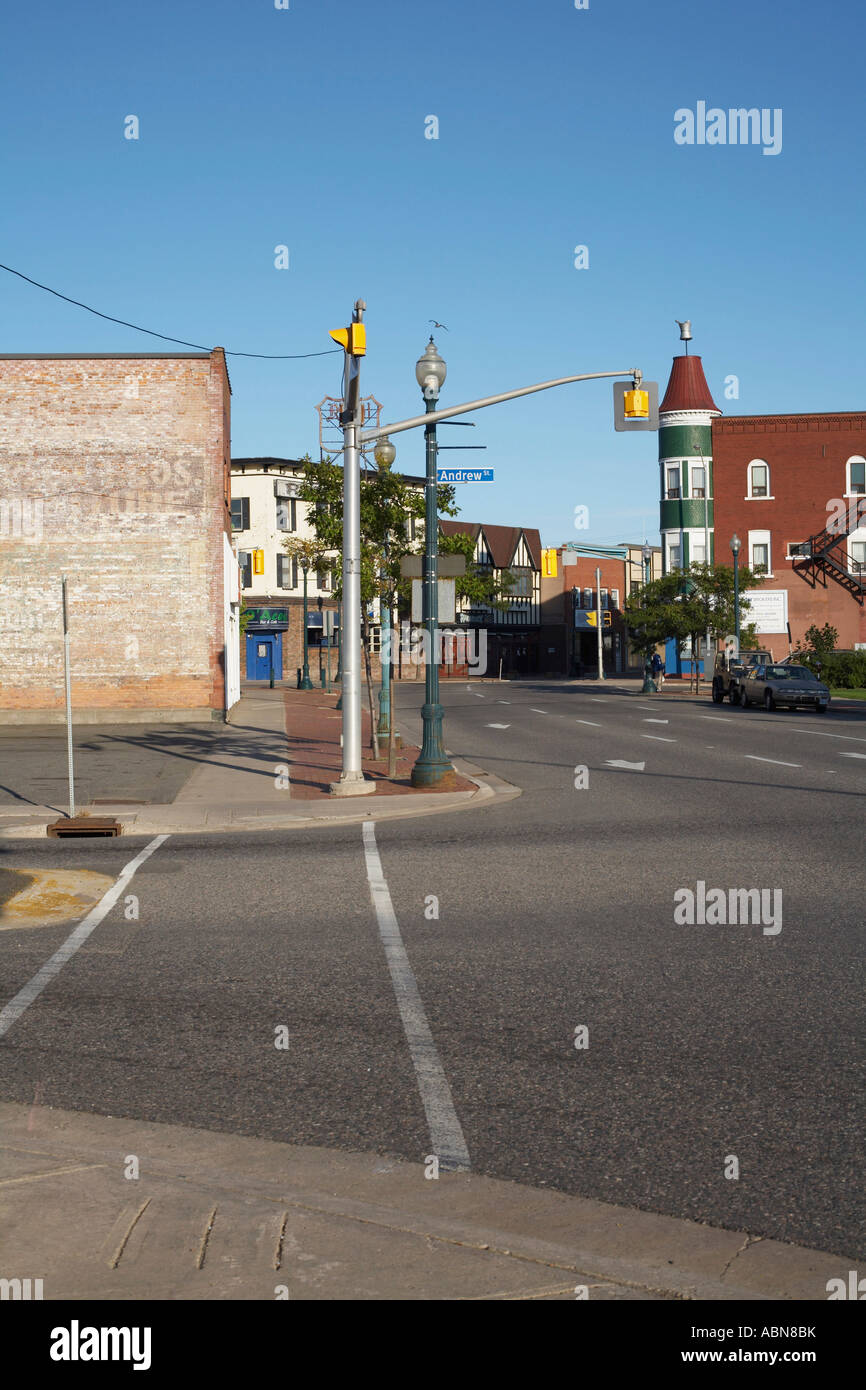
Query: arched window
{"type": "Point", "coordinates": [759, 478]}
{"type": "Point", "coordinates": [855, 475]}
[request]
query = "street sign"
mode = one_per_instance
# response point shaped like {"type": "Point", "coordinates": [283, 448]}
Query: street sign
{"type": "Point", "coordinates": [447, 566]}
{"type": "Point", "coordinates": [447, 601]}
{"type": "Point", "coordinates": [464, 475]}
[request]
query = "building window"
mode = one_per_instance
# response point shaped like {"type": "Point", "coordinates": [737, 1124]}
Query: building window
{"type": "Point", "coordinates": [294, 572]}
{"type": "Point", "coordinates": [759, 479]}
{"type": "Point", "coordinates": [323, 578]}
{"type": "Point", "coordinates": [614, 598]}
{"type": "Point", "coordinates": [698, 481]}
{"type": "Point", "coordinates": [673, 483]}
{"type": "Point", "coordinates": [698, 550]}
{"type": "Point", "coordinates": [674, 556]}
{"type": "Point", "coordinates": [587, 599]}
{"type": "Point", "coordinates": [521, 586]}
{"type": "Point", "coordinates": [245, 560]}
{"type": "Point", "coordinates": [856, 469]}
{"type": "Point", "coordinates": [287, 514]}
{"type": "Point", "coordinates": [283, 572]}
{"type": "Point", "coordinates": [795, 550]}
{"type": "Point", "coordinates": [240, 514]}
{"type": "Point", "coordinates": [759, 552]}
{"type": "Point", "coordinates": [857, 556]}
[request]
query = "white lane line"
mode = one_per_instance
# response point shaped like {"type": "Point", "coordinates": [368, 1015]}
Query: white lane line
{"type": "Point", "coordinates": [775, 761]}
{"type": "Point", "coordinates": [719, 718]}
{"type": "Point", "coordinates": [598, 699]}
{"type": "Point", "coordinates": [503, 702]}
{"type": "Point", "coordinates": [25, 997]}
{"type": "Point", "coordinates": [591, 722]}
{"type": "Point", "coordinates": [655, 721]}
{"type": "Point", "coordinates": [852, 755]}
{"type": "Point", "coordinates": [446, 1135]}
{"type": "Point", "coordinates": [631, 767]}
{"type": "Point", "coordinates": [657, 738]}
{"type": "Point", "coordinates": [533, 710]}
{"type": "Point", "coordinates": [478, 695]}
{"type": "Point", "coordinates": [498, 726]}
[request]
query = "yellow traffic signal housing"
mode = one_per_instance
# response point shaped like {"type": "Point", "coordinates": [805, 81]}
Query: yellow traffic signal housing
{"type": "Point", "coordinates": [258, 562]}
{"type": "Point", "coordinates": [548, 564]}
{"type": "Point", "coordinates": [352, 339]}
{"type": "Point", "coordinates": [607, 617]}
{"type": "Point", "coordinates": [636, 405]}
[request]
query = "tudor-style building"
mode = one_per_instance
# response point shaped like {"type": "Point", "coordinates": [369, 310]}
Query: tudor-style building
{"type": "Point", "coordinates": [514, 631]}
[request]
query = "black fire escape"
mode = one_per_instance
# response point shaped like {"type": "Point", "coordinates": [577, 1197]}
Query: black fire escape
{"type": "Point", "coordinates": [824, 556]}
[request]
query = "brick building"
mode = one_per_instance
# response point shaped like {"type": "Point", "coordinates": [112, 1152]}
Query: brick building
{"type": "Point", "coordinates": [115, 470]}
{"type": "Point", "coordinates": [571, 601]}
{"type": "Point", "coordinates": [793, 489]}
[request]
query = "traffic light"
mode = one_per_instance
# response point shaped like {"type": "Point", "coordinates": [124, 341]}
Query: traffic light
{"type": "Point", "coordinates": [258, 562]}
{"type": "Point", "coordinates": [548, 563]}
{"type": "Point", "coordinates": [352, 339]}
{"type": "Point", "coordinates": [636, 404]}
{"type": "Point", "coordinates": [606, 617]}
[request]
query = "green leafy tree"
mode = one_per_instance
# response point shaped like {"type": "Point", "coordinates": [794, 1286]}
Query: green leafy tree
{"type": "Point", "coordinates": [686, 604]}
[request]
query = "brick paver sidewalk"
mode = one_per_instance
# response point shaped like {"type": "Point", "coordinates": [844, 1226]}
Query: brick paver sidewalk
{"type": "Point", "coordinates": [314, 724]}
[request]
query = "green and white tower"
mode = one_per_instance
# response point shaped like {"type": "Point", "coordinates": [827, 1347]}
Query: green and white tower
{"type": "Point", "coordinates": [686, 462]}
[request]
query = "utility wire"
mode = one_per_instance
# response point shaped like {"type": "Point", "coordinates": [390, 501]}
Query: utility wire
{"type": "Point", "coordinates": [269, 356]}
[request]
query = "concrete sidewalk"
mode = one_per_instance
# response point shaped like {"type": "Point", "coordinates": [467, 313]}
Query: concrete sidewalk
{"type": "Point", "coordinates": [107, 1208]}
{"type": "Point", "coordinates": [268, 769]}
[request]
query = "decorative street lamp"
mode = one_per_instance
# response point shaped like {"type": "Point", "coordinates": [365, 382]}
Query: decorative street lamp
{"type": "Point", "coordinates": [735, 550]}
{"type": "Point", "coordinates": [385, 454]}
{"type": "Point", "coordinates": [649, 685]}
{"type": "Point", "coordinates": [432, 764]}
{"type": "Point", "coordinates": [306, 683]}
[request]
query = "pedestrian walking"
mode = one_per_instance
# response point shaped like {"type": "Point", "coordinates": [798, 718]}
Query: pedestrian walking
{"type": "Point", "coordinates": [658, 670]}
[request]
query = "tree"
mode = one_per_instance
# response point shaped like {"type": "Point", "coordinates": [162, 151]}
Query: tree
{"type": "Point", "coordinates": [686, 604]}
{"type": "Point", "coordinates": [821, 641]}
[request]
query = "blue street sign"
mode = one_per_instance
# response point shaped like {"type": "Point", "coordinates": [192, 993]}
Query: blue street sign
{"type": "Point", "coordinates": [464, 475]}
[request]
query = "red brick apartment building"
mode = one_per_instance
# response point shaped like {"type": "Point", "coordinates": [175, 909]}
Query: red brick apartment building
{"type": "Point", "coordinates": [793, 489]}
{"type": "Point", "coordinates": [115, 471]}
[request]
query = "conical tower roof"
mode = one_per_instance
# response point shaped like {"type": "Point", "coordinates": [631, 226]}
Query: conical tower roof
{"type": "Point", "coordinates": [687, 387]}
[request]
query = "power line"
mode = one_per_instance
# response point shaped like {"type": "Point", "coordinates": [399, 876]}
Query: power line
{"type": "Point", "coordinates": [269, 356]}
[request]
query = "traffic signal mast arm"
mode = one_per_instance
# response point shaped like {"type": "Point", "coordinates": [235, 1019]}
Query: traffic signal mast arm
{"type": "Point", "coordinates": [368, 436]}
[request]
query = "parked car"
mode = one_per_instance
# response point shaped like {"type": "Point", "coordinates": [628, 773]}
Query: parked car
{"type": "Point", "coordinates": [773, 686]}
{"type": "Point", "coordinates": [729, 673]}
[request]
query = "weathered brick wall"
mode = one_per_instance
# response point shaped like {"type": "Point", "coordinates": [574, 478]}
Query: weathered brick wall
{"type": "Point", "coordinates": [114, 471]}
{"type": "Point", "coordinates": [807, 456]}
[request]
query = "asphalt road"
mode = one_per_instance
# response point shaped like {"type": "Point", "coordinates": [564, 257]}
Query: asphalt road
{"type": "Point", "coordinates": [556, 911]}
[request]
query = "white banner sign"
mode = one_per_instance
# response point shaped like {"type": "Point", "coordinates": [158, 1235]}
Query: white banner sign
{"type": "Point", "coordinates": [767, 608]}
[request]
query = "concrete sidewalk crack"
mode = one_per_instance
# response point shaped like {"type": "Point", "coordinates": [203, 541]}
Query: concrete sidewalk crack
{"type": "Point", "coordinates": [750, 1240]}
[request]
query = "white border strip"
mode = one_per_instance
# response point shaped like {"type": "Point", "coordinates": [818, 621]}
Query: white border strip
{"type": "Point", "coordinates": [446, 1136]}
{"type": "Point", "coordinates": [25, 997]}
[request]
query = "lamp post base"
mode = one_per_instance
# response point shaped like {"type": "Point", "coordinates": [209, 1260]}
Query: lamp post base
{"type": "Point", "coordinates": [355, 784]}
{"type": "Point", "coordinates": [432, 765]}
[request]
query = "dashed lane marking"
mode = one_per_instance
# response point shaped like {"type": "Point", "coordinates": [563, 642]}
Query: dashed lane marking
{"type": "Point", "coordinates": [775, 761]}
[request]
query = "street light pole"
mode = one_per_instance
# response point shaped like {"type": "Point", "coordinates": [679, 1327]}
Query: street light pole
{"type": "Point", "coordinates": [385, 454]}
{"type": "Point", "coordinates": [735, 549]}
{"type": "Point", "coordinates": [352, 780]}
{"type": "Point", "coordinates": [432, 764]}
{"type": "Point", "coordinates": [649, 686]}
{"type": "Point", "coordinates": [306, 683]}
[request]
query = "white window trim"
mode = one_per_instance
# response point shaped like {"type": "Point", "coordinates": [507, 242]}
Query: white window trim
{"type": "Point", "coordinates": [751, 496]}
{"type": "Point", "coordinates": [751, 541]}
{"type": "Point", "coordinates": [855, 458]}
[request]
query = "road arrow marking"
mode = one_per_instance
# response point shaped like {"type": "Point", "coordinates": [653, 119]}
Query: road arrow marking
{"type": "Point", "coordinates": [630, 767]}
{"type": "Point", "coordinates": [499, 726]}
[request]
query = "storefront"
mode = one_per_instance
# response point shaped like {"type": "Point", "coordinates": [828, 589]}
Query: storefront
{"type": "Point", "coordinates": [264, 642]}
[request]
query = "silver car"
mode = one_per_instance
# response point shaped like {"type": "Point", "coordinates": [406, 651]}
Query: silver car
{"type": "Point", "coordinates": [772, 686]}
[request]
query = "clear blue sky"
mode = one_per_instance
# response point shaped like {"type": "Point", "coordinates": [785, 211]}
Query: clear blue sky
{"type": "Point", "coordinates": [305, 127]}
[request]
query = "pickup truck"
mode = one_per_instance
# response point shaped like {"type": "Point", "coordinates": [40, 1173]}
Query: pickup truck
{"type": "Point", "coordinates": [729, 673]}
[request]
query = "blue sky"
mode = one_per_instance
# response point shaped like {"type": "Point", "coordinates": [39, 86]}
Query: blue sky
{"type": "Point", "coordinates": [306, 127]}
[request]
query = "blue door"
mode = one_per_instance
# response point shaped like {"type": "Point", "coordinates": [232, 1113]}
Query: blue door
{"type": "Point", "coordinates": [264, 650]}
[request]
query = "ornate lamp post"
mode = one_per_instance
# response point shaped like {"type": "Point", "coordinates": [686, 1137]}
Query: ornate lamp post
{"type": "Point", "coordinates": [735, 551]}
{"type": "Point", "coordinates": [385, 454]}
{"type": "Point", "coordinates": [649, 685]}
{"type": "Point", "coordinates": [432, 764]}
